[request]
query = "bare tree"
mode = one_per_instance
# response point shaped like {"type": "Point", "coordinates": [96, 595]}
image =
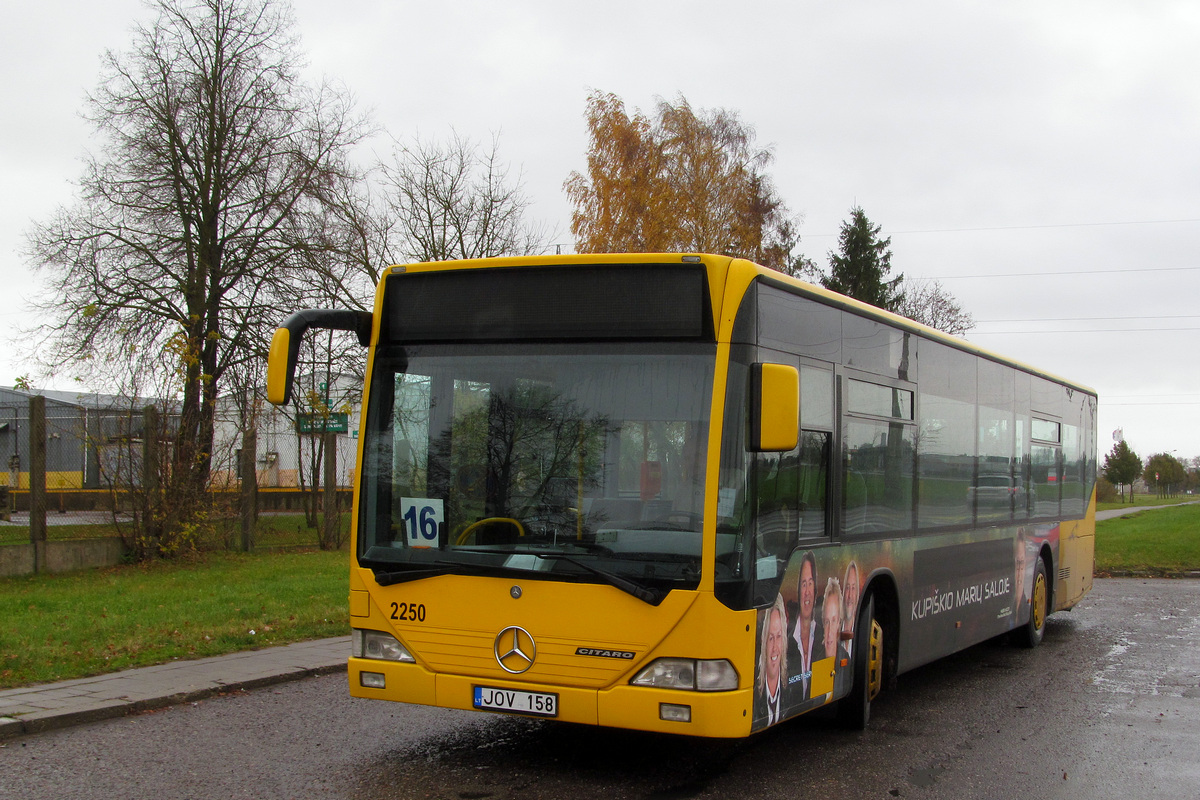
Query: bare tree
{"type": "Point", "coordinates": [350, 239]}
{"type": "Point", "coordinates": [431, 202]}
{"type": "Point", "coordinates": [183, 241]}
{"type": "Point", "coordinates": [928, 302]}
{"type": "Point", "coordinates": [456, 200]}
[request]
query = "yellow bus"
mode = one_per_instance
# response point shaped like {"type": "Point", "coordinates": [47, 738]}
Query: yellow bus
{"type": "Point", "coordinates": [686, 493]}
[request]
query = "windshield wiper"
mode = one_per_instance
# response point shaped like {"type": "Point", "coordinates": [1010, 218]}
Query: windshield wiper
{"type": "Point", "coordinates": [644, 593]}
{"type": "Point", "coordinates": [404, 576]}
{"type": "Point", "coordinates": [444, 568]}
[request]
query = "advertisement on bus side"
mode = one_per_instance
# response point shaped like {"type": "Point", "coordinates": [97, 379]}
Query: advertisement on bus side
{"type": "Point", "coordinates": [955, 591]}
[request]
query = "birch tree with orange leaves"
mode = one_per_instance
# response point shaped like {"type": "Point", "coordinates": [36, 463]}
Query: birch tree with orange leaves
{"type": "Point", "coordinates": [685, 181]}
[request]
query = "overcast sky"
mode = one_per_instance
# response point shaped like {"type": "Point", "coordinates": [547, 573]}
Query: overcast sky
{"type": "Point", "coordinates": [1039, 158]}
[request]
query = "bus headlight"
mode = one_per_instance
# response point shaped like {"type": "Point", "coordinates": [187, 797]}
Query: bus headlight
{"type": "Point", "coordinates": [703, 675]}
{"type": "Point", "coordinates": [377, 644]}
{"type": "Point", "coordinates": [715, 676]}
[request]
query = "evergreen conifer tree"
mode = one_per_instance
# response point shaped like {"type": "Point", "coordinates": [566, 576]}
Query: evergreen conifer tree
{"type": "Point", "coordinates": [861, 266]}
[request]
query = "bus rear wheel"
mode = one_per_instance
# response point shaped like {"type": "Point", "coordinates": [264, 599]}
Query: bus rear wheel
{"type": "Point", "coordinates": [854, 710]}
{"type": "Point", "coordinates": [1030, 634]}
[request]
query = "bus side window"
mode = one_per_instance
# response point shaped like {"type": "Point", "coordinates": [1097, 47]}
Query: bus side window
{"type": "Point", "coordinates": [814, 482]}
{"type": "Point", "coordinates": [776, 508]}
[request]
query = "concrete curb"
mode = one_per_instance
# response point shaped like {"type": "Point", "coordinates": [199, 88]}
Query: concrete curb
{"type": "Point", "coordinates": [35, 709]}
{"type": "Point", "coordinates": [1169, 574]}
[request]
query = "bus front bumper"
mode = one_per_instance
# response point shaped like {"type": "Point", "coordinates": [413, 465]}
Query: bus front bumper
{"type": "Point", "coordinates": [712, 714]}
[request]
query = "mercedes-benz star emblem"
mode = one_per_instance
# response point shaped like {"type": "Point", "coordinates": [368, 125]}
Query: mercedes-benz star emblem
{"type": "Point", "coordinates": [515, 650]}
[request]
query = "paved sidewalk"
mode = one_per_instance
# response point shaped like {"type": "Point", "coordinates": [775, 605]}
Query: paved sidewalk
{"type": "Point", "coordinates": [58, 705]}
{"type": "Point", "coordinates": [1121, 512]}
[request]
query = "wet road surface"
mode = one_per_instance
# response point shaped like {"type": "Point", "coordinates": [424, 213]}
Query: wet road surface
{"type": "Point", "coordinates": [1107, 707]}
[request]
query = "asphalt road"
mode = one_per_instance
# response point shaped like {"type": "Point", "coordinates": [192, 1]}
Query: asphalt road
{"type": "Point", "coordinates": [1107, 707]}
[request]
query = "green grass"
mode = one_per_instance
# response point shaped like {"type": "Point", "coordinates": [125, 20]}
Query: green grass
{"type": "Point", "coordinates": [1149, 499]}
{"type": "Point", "coordinates": [57, 627]}
{"type": "Point", "coordinates": [1155, 542]}
{"type": "Point", "coordinates": [273, 530]}
{"type": "Point", "coordinates": [18, 534]}
{"type": "Point", "coordinates": [283, 530]}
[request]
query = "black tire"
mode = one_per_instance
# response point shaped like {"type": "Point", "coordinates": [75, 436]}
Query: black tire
{"type": "Point", "coordinates": [854, 710]}
{"type": "Point", "coordinates": [1030, 634]}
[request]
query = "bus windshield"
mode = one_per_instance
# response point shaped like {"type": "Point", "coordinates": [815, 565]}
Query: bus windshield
{"type": "Point", "coordinates": [572, 462]}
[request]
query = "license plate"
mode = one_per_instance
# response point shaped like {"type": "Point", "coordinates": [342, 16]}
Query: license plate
{"type": "Point", "coordinates": [540, 704]}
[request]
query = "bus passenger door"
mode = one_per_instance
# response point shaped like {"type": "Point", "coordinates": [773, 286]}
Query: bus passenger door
{"type": "Point", "coordinates": [790, 490]}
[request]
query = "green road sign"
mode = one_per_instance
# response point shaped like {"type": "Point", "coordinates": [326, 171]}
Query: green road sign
{"type": "Point", "coordinates": [319, 423]}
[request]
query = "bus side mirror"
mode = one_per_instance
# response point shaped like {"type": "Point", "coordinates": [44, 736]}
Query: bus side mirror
{"type": "Point", "coordinates": [285, 344]}
{"type": "Point", "coordinates": [774, 408]}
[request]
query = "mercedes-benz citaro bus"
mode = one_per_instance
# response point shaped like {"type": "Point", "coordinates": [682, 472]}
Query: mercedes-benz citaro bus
{"type": "Point", "coordinates": [686, 493]}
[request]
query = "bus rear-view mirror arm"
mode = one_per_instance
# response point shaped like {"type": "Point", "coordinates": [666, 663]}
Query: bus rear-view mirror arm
{"type": "Point", "coordinates": [285, 344]}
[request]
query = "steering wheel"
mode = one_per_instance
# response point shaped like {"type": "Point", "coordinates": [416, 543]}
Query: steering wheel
{"type": "Point", "coordinates": [470, 529]}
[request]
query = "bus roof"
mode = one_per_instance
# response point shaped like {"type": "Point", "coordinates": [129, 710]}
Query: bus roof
{"type": "Point", "coordinates": [724, 266]}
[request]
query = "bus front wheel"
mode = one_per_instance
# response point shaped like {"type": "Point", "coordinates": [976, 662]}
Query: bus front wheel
{"type": "Point", "coordinates": [1030, 634]}
{"type": "Point", "coordinates": [854, 710]}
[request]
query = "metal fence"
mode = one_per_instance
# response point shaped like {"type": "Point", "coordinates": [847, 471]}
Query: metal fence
{"type": "Point", "coordinates": [74, 473]}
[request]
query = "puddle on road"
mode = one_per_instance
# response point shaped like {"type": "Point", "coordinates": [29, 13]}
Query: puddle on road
{"type": "Point", "coordinates": [509, 757]}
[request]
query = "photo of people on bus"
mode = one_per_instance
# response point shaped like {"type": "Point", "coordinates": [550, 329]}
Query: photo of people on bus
{"type": "Point", "coordinates": [850, 594]}
{"type": "Point", "coordinates": [806, 634]}
{"type": "Point", "coordinates": [772, 663]}
{"type": "Point", "coordinates": [832, 612]}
